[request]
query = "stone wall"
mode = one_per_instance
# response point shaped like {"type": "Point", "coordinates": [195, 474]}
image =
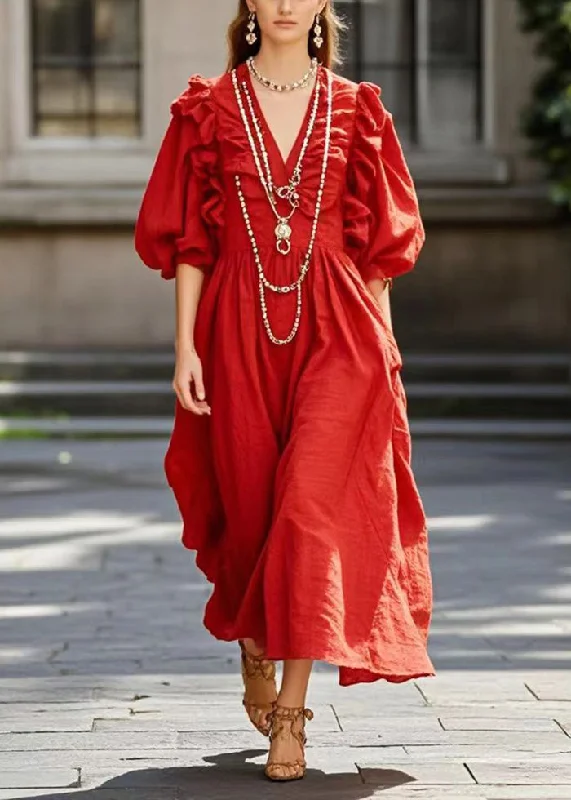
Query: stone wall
{"type": "Point", "coordinates": [80, 288]}
{"type": "Point", "coordinates": [477, 286]}
{"type": "Point", "coordinates": [491, 287]}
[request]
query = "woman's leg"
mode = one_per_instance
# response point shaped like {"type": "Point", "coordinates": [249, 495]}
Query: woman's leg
{"type": "Point", "coordinates": [293, 691]}
{"type": "Point", "coordinates": [295, 680]}
{"type": "Point", "coordinates": [260, 693]}
{"type": "Point", "coordinates": [253, 648]}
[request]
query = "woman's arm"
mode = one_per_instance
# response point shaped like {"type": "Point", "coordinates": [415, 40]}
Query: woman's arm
{"type": "Point", "coordinates": [382, 225]}
{"type": "Point", "coordinates": [380, 289]}
{"type": "Point", "coordinates": [189, 282]}
{"type": "Point", "coordinates": [188, 367]}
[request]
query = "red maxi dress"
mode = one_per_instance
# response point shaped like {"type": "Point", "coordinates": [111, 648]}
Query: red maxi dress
{"type": "Point", "coordinates": [297, 493]}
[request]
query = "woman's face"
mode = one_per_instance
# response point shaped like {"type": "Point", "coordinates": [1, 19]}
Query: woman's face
{"type": "Point", "coordinates": [286, 21]}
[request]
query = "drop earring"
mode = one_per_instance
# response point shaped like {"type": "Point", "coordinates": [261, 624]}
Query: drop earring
{"type": "Point", "coordinates": [251, 37]}
{"type": "Point", "coordinates": [317, 37]}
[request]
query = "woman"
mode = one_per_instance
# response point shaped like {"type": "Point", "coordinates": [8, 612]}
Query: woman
{"type": "Point", "coordinates": [281, 202]}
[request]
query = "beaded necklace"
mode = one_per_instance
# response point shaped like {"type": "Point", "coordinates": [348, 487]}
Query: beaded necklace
{"type": "Point", "coordinates": [282, 87]}
{"type": "Point", "coordinates": [289, 192]}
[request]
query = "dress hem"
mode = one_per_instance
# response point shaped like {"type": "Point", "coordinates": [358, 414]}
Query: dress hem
{"type": "Point", "coordinates": [366, 674]}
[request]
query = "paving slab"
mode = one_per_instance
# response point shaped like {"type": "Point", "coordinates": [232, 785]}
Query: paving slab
{"type": "Point", "coordinates": [498, 723]}
{"type": "Point", "coordinates": [388, 725]}
{"type": "Point", "coordinates": [522, 773]}
{"type": "Point", "coordinates": [113, 760]}
{"type": "Point", "coordinates": [484, 752]}
{"type": "Point", "coordinates": [565, 724]}
{"type": "Point", "coordinates": [550, 686]}
{"type": "Point", "coordinates": [33, 778]}
{"type": "Point", "coordinates": [43, 723]}
{"type": "Point", "coordinates": [26, 718]}
{"type": "Point", "coordinates": [139, 740]}
{"type": "Point", "coordinates": [433, 774]}
{"type": "Point", "coordinates": [469, 688]}
{"type": "Point", "coordinates": [106, 668]}
{"type": "Point", "coordinates": [540, 792]}
{"type": "Point", "coordinates": [513, 710]}
{"type": "Point", "coordinates": [548, 741]}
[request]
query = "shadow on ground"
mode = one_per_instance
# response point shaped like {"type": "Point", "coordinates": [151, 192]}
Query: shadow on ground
{"type": "Point", "coordinates": [232, 777]}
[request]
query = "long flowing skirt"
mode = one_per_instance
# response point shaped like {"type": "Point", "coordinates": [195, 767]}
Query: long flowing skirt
{"type": "Point", "coordinates": [297, 493]}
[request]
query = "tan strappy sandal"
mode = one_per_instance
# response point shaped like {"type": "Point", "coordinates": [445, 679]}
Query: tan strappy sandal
{"type": "Point", "coordinates": [254, 670]}
{"type": "Point", "coordinates": [285, 721]}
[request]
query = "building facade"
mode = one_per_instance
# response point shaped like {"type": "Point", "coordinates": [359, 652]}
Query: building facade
{"type": "Point", "coordinates": [85, 87]}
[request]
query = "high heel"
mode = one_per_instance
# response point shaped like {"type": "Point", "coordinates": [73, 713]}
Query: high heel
{"type": "Point", "coordinates": [255, 668]}
{"type": "Point", "coordinates": [282, 723]}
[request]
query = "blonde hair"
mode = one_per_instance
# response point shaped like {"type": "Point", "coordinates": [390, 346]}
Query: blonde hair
{"type": "Point", "coordinates": [328, 54]}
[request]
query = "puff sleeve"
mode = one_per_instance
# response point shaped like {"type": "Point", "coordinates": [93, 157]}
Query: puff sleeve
{"type": "Point", "coordinates": [181, 210]}
{"type": "Point", "coordinates": [383, 230]}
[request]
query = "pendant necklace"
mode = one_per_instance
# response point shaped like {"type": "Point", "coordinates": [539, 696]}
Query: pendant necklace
{"type": "Point", "coordinates": [289, 192]}
{"type": "Point", "coordinates": [263, 283]}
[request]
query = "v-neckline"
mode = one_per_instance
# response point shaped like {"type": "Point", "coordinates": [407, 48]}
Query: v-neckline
{"type": "Point", "coordinates": [286, 164]}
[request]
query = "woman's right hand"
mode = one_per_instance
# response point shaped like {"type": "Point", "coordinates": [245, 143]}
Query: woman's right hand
{"type": "Point", "coordinates": [188, 383]}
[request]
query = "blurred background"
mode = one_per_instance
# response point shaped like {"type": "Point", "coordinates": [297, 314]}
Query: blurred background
{"type": "Point", "coordinates": [85, 86]}
{"type": "Point", "coordinates": [107, 675]}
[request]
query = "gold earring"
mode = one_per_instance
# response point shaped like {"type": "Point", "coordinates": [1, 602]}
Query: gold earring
{"type": "Point", "coordinates": [317, 37]}
{"type": "Point", "coordinates": [251, 37]}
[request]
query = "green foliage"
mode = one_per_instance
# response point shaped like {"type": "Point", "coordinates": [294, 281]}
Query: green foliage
{"type": "Point", "coordinates": [547, 120]}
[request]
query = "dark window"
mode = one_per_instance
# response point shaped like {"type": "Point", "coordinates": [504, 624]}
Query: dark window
{"type": "Point", "coordinates": [426, 56]}
{"type": "Point", "coordinates": [86, 68]}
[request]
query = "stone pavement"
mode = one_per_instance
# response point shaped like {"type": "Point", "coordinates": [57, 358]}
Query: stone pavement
{"type": "Point", "coordinates": [110, 689]}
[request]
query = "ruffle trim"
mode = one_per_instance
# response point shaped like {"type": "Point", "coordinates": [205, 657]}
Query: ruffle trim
{"type": "Point", "coordinates": [370, 118]}
{"type": "Point", "coordinates": [196, 105]}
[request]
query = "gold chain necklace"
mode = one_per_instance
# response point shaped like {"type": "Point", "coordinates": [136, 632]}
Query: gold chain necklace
{"type": "Point", "coordinates": [283, 229]}
{"type": "Point", "coordinates": [263, 283]}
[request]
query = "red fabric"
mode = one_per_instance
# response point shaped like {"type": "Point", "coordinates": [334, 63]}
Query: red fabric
{"type": "Point", "coordinates": [182, 207]}
{"type": "Point", "coordinates": [297, 492]}
{"type": "Point", "coordinates": [383, 229]}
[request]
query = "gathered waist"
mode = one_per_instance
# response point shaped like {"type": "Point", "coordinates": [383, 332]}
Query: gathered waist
{"type": "Point", "coordinates": [269, 250]}
{"type": "Point", "coordinates": [235, 239]}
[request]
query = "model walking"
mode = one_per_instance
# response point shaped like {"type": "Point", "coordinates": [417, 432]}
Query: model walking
{"type": "Point", "coordinates": [281, 201]}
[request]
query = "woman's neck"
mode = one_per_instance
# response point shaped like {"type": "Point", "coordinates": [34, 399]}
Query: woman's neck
{"type": "Point", "coordinates": [283, 64]}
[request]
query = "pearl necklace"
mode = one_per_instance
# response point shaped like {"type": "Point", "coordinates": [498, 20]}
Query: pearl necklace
{"type": "Point", "coordinates": [263, 282]}
{"type": "Point", "coordinates": [282, 87]}
{"type": "Point", "coordinates": [283, 228]}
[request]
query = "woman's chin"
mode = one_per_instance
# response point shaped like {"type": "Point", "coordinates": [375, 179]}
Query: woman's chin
{"type": "Point", "coordinates": [285, 36]}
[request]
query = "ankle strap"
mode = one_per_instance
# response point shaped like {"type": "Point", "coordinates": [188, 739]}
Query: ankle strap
{"type": "Point", "coordinates": [292, 713]}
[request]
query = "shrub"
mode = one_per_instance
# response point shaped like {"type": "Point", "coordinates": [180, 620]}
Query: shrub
{"type": "Point", "coordinates": [547, 119]}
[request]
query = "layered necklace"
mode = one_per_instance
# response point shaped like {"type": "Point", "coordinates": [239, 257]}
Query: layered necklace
{"type": "Point", "coordinates": [288, 192]}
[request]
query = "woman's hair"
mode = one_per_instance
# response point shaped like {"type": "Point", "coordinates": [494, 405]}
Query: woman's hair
{"type": "Point", "coordinates": [328, 53]}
